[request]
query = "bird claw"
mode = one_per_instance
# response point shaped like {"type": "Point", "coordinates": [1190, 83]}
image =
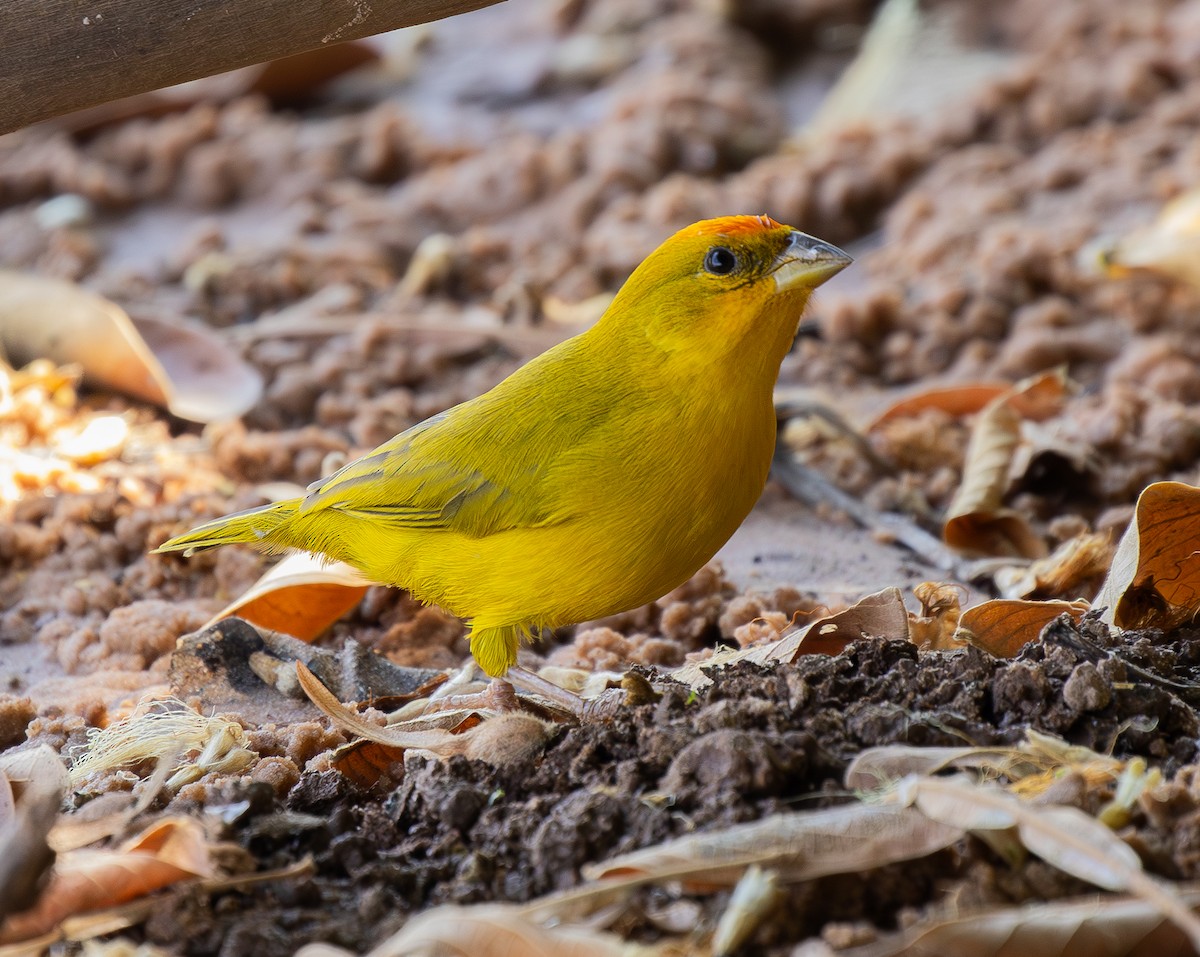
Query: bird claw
{"type": "Point", "coordinates": [604, 707]}
{"type": "Point", "coordinates": [634, 690]}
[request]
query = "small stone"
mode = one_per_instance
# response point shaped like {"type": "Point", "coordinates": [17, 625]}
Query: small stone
{"type": "Point", "coordinates": [1086, 689]}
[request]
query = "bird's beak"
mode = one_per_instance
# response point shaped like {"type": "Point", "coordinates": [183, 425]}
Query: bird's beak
{"type": "Point", "coordinates": [807, 262]}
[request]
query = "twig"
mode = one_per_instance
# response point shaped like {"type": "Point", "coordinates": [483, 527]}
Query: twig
{"type": "Point", "coordinates": [813, 489]}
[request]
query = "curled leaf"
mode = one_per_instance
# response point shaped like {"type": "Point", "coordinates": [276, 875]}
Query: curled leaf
{"type": "Point", "coordinates": [32, 784]}
{"type": "Point", "coordinates": [1154, 581]}
{"type": "Point", "coordinates": [934, 629]}
{"type": "Point", "coordinates": [977, 520]}
{"type": "Point", "coordinates": [955, 400]}
{"type": "Point", "coordinates": [171, 850]}
{"type": "Point", "coordinates": [1002, 626]}
{"type": "Point", "coordinates": [880, 615]}
{"type": "Point", "coordinates": [179, 365]}
{"type": "Point", "coordinates": [1072, 568]}
{"type": "Point", "coordinates": [912, 62]}
{"type": "Point", "coordinates": [1170, 246]}
{"type": "Point", "coordinates": [301, 596]}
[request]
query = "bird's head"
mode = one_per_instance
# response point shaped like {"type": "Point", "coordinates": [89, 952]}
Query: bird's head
{"type": "Point", "coordinates": [723, 284]}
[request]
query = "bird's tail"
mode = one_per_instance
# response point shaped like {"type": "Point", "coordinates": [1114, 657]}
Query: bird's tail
{"type": "Point", "coordinates": [253, 525]}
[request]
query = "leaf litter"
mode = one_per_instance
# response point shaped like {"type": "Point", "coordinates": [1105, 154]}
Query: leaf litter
{"type": "Point", "coordinates": [499, 831]}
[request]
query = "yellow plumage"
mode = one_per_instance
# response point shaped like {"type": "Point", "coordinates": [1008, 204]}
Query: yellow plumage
{"type": "Point", "coordinates": [595, 478]}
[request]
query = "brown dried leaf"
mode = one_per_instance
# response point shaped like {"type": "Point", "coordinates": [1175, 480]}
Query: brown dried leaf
{"type": "Point", "coordinates": [292, 79]}
{"type": "Point", "coordinates": [32, 784]}
{"type": "Point", "coordinates": [179, 365]}
{"type": "Point", "coordinates": [756, 896]}
{"type": "Point", "coordinates": [934, 628]}
{"type": "Point", "coordinates": [301, 596]}
{"type": "Point", "coordinates": [1071, 568]}
{"type": "Point", "coordinates": [169, 851]}
{"type": "Point", "coordinates": [1155, 577]}
{"type": "Point", "coordinates": [367, 763]}
{"type": "Point", "coordinates": [880, 615]}
{"type": "Point", "coordinates": [1003, 626]}
{"type": "Point", "coordinates": [977, 520]}
{"type": "Point", "coordinates": [955, 400]}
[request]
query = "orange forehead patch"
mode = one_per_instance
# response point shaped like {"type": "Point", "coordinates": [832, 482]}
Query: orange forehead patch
{"type": "Point", "coordinates": [733, 226]}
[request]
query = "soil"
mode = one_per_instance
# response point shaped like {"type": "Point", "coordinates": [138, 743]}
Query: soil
{"type": "Point", "coordinates": [553, 144]}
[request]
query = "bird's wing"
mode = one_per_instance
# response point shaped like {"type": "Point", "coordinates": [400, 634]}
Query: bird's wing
{"type": "Point", "coordinates": [459, 470]}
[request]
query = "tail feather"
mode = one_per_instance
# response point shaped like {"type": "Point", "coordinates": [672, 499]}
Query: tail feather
{"type": "Point", "coordinates": [254, 525]}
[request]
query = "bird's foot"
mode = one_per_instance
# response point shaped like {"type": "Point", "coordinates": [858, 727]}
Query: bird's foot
{"type": "Point", "coordinates": [634, 690]}
{"type": "Point", "coordinates": [499, 695]}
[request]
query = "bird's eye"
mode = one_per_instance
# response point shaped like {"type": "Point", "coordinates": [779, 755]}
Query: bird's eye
{"type": "Point", "coordinates": [720, 261]}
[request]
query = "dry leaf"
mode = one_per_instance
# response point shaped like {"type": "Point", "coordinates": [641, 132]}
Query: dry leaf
{"type": "Point", "coordinates": [32, 784]}
{"type": "Point", "coordinates": [367, 763]}
{"type": "Point", "coordinates": [1098, 926]}
{"type": "Point", "coordinates": [753, 900]}
{"type": "Point", "coordinates": [800, 846]}
{"type": "Point", "coordinates": [496, 930]}
{"type": "Point", "coordinates": [955, 400]}
{"type": "Point", "coordinates": [172, 850]}
{"type": "Point", "coordinates": [429, 266]}
{"type": "Point", "coordinates": [179, 365]}
{"type": "Point", "coordinates": [1002, 627]}
{"type": "Point", "coordinates": [1073, 566]}
{"type": "Point", "coordinates": [934, 628]}
{"type": "Point", "coordinates": [1066, 837]}
{"type": "Point", "coordinates": [293, 79]}
{"type": "Point", "coordinates": [1155, 577]}
{"type": "Point", "coordinates": [1030, 766]}
{"type": "Point", "coordinates": [913, 61]}
{"type": "Point", "coordinates": [883, 766]}
{"type": "Point", "coordinates": [880, 615]}
{"type": "Point", "coordinates": [301, 596]}
{"type": "Point", "coordinates": [585, 312]}
{"type": "Point", "coordinates": [1170, 246]}
{"type": "Point", "coordinates": [976, 520]}
{"type": "Point", "coordinates": [436, 740]}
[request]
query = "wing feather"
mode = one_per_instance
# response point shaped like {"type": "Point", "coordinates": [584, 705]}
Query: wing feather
{"type": "Point", "coordinates": [478, 469]}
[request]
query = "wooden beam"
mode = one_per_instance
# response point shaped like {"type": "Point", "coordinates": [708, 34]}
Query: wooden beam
{"type": "Point", "coordinates": [57, 56]}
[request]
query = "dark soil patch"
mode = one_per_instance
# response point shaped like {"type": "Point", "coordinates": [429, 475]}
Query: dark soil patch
{"type": "Point", "coordinates": [758, 741]}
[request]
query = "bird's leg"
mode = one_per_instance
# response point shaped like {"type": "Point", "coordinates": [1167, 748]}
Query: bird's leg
{"type": "Point", "coordinates": [497, 696]}
{"type": "Point", "coordinates": [501, 695]}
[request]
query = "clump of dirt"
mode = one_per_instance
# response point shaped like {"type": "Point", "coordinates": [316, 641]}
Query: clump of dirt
{"type": "Point", "coordinates": [756, 742]}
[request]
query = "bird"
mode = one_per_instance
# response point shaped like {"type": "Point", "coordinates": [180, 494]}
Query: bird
{"type": "Point", "coordinates": [595, 478]}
